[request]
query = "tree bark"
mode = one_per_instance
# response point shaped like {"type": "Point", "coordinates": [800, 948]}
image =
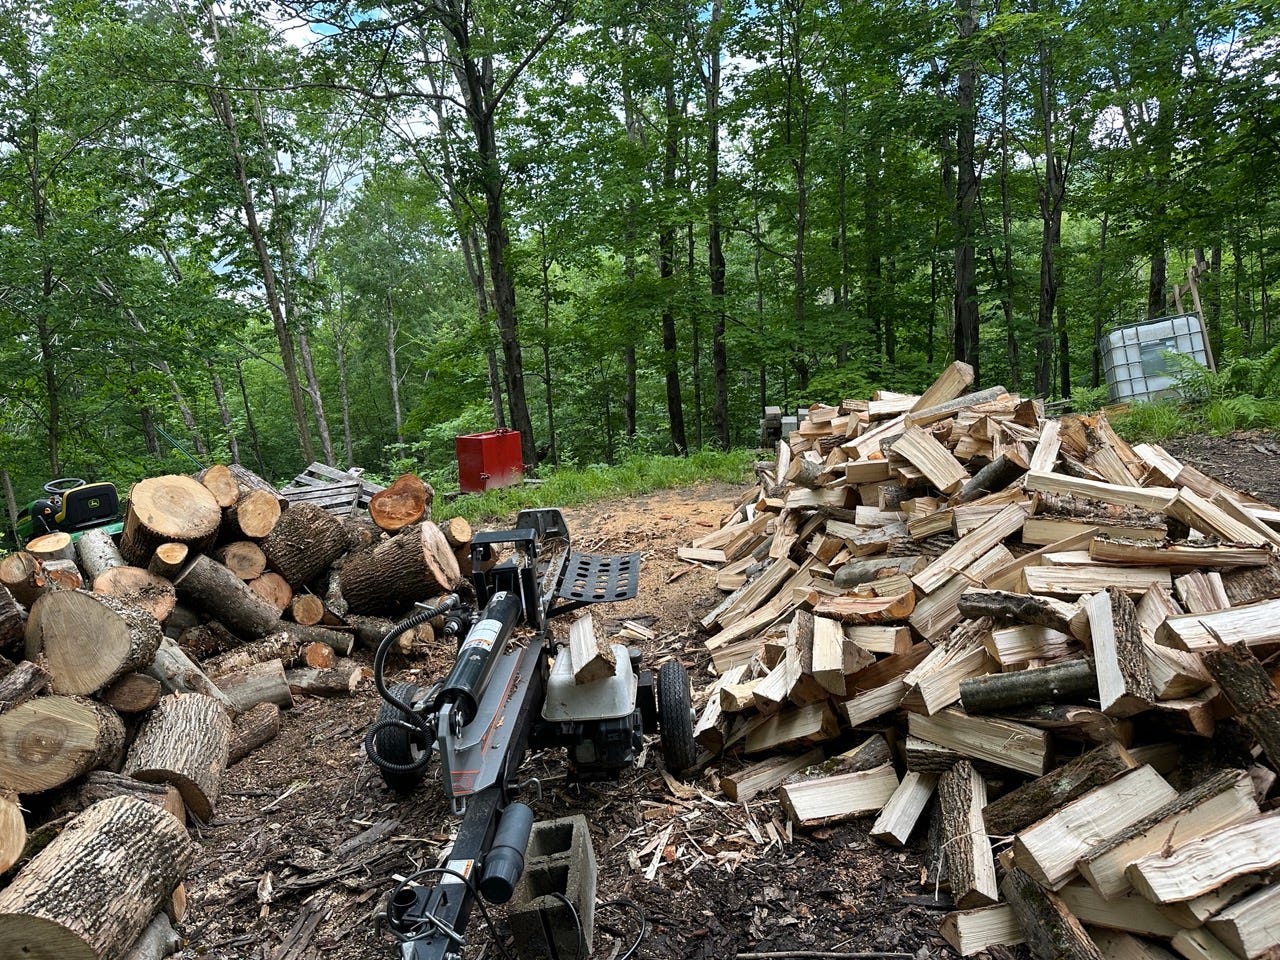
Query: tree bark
{"type": "Point", "coordinates": [303, 543]}
{"type": "Point", "coordinates": [75, 901]}
{"type": "Point", "coordinates": [1070, 682]}
{"type": "Point", "coordinates": [415, 564]}
{"type": "Point", "coordinates": [966, 287]}
{"type": "Point", "coordinates": [97, 552]}
{"type": "Point", "coordinates": [252, 730]}
{"type": "Point", "coordinates": [184, 742]}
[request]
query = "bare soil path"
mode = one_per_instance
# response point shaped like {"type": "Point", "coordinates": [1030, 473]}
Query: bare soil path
{"type": "Point", "coordinates": [306, 839]}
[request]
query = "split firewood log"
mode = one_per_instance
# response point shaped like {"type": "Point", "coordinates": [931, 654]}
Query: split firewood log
{"type": "Point", "coordinates": [23, 576]}
{"type": "Point", "coordinates": [94, 889]}
{"type": "Point", "coordinates": [415, 564]}
{"type": "Point", "coordinates": [97, 552]}
{"type": "Point", "coordinates": [125, 638]}
{"type": "Point", "coordinates": [52, 546]}
{"type": "Point", "coordinates": [305, 541]}
{"type": "Point", "coordinates": [49, 741]}
{"type": "Point", "coordinates": [168, 509]}
{"type": "Point", "coordinates": [184, 741]}
{"type": "Point", "coordinates": [139, 588]}
{"type": "Point", "coordinates": [406, 501]}
{"type": "Point", "coordinates": [220, 482]}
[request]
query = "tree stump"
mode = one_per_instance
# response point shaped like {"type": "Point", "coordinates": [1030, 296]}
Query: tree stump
{"type": "Point", "coordinates": [184, 742]}
{"type": "Point", "coordinates": [125, 639]}
{"type": "Point", "coordinates": [406, 501]}
{"type": "Point", "coordinates": [23, 576]}
{"type": "Point", "coordinates": [170, 509]}
{"type": "Point", "coordinates": [244, 558]}
{"type": "Point", "coordinates": [98, 553]}
{"type": "Point", "coordinates": [415, 564]}
{"type": "Point", "coordinates": [13, 831]}
{"type": "Point", "coordinates": [52, 546]}
{"type": "Point", "coordinates": [253, 516]}
{"type": "Point", "coordinates": [304, 543]}
{"type": "Point", "coordinates": [51, 740]}
{"type": "Point", "coordinates": [219, 481]}
{"type": "Point", "coordinates": [138, 588]}
{"type": "Point", "coordinates": [94, 889]}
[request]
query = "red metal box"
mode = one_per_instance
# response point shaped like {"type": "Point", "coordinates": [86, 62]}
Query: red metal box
{"type": "Point", "coordinates": [490, 460]}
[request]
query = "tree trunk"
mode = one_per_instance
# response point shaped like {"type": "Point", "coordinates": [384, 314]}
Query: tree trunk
{"type": "Point", "coordinates": [94, 889]}
{"type": "Point", "coordinates": [244, 558]}
{"type": "Point", "coordinates": [966, 286]}
{"type": "Point", "coordinates": [23, 576]}
{"type": "Point", "coordinates": [13, 831]}
{"type": "Point", "coordinates": [178, 673]}
{"type": "Point", "coordinates": [184, 742]}
{"type": "Point", "coordinates": [666, 271]}
{"type": "Point", "coordinates": [224, 414]}
{"type": "Point", "coordinates": [715, 244]}
{"type": "Point", "coordinates": [317, 401]}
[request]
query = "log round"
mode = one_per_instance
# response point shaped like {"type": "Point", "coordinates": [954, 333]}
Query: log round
{"type": "Point", "coordinates": [248, 480]}
{"type": "Point", "coordinates": [304, 542]}
{"type": "Point", "coordinates": [52, 546]}
{"type": "Point", "coordinates": [63, 574]}
{"type": "Point", "coordinates": [168, 559]}
{"type": "Point", "coordinates": [318, 655]}
{"type": "Point", "coordinates": [97, 552]}
{"type": "Point", "coordinates": [125, 638]}
{"type": "Point", "coordinates": [252, 730]}
{"type": "Point", "coordinates": [274, 589]}
{"type": "Point", "coordinates": [94, 889]}
{"type": "Point", "coordinates": [219, 482]}
{"type": "Point", "coordinates": [184, 742]}
{"type": "Point", "coordinates": [139, 588]}
{"type": "Point", "coordinates": [278, 646]}
{"type": "Point", "coordinates": [51, 740]}
{"type": "Point", "coordinates": [257, 683]}
{"type": "Point", "coordinates": [415, 564]}
{"type": "Point", "coordinates": [168, 509]}
{"type": "Point", "coordinates": [457, 532]}
{"type": "Point", "coordinates": [132, 693]}
{"type": "Point", "coordinates": [251, 517]}
{"type": "Point", "coordinates": [13, 831]}
{"type": "Point", "coordinates": [23, 576]}
{"type": "Point", "coordinates": [307, 609]}
{"type": "Point", "coordinates": [406, 501]}
{"type": "Point", "coordinates": [362, 532]}
{"type": "Point", "coordinates": [244, 558]}
{"type": "Point", "coordinates": [103, 784]}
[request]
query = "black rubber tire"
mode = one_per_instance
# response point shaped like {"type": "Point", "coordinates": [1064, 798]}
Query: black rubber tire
{"type": "Point", "coordinates": [675, 717]}
{"type": "Point", "coordinates": [395, 744]}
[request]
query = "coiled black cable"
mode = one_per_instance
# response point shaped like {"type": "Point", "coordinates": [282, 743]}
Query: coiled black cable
{"type": "Point", "coordinates": [409, 720]}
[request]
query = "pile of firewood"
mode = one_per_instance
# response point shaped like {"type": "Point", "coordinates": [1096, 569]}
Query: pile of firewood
{"type": "Point", "coordinates": [1060, 636]}
{"type": "Point", "coordinates": [132, 675]}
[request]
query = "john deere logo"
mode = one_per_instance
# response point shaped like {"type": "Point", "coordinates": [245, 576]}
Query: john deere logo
{"type": "Point", "coordinates": [94, 503]}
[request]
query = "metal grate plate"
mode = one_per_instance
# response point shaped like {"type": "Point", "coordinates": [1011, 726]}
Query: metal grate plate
{"type": "Point", "coordinates": [589, 578]}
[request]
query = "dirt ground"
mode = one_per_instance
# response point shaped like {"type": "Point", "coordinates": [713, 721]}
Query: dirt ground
{"type": "Point", "coordinates": [307, 840]}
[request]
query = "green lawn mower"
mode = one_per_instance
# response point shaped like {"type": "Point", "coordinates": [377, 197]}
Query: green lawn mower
{"type": "Point", "coordinates": [72, 506]}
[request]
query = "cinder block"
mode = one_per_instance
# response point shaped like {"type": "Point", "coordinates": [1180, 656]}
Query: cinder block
{"type": "Point", "coordinates": [559, 862]}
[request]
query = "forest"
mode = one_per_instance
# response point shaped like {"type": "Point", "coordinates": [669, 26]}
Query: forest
{"type": "Point", "coordinates": [348, 231]}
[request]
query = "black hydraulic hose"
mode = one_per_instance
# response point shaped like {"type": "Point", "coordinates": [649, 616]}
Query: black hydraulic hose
{"type": "Point", "coordinates": [379, 681]}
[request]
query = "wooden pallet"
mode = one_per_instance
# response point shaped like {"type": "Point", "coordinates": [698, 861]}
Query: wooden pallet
{"type": "Point", "coordinates": [340, 492]}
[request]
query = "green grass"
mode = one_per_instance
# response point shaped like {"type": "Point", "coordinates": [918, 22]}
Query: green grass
{"type": "Point", "coordinates": [1157, 422]}
{"type": "Point", "coordinates": [567, 487]}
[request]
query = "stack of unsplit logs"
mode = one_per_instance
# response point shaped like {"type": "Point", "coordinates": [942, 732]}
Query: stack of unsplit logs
{"type": "Point", "coordinates": [1052, 651]}
{"type": "Point", "coordinates": [133, 674]}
